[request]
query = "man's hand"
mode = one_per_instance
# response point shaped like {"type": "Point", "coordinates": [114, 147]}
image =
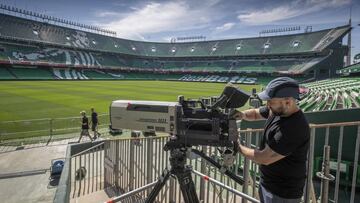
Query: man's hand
{"type": "Point", "coordinates": [238, 115]}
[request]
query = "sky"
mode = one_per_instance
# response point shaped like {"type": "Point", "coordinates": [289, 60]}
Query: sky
{"type": "Point", "coordinates": [161, 20]}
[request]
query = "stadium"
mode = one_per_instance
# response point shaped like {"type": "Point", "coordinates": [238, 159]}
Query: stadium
{"type": "Point", "coordinates": [52, 68]}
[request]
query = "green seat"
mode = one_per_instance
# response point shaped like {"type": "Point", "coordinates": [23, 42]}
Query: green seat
{"type": "Point", "coordinates": [32, 73]}
{"type": "Point", "coordinates": [5, 75]}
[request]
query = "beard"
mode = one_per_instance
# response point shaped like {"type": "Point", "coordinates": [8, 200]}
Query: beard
{"type": "Point", "coordinates": [278, 111]}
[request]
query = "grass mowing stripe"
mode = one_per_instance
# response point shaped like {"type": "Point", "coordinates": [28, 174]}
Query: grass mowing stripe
{"type": "Point", "coordinates": [39, 99]}
{"type": "Point", "coordinates": [22, 100]}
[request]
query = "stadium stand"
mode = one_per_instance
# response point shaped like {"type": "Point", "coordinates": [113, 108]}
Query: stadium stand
{"type": "Point", "coordinates": [69, 74]}
{"type": "Point", "coordinates": [33, 54]}
{"type": "Point", "coordinates": [330, 94]}
{"type": "Point", "coordinates": [296, 43]}
{"type": "Point", "coordinates": [68, 53]}
{"type": "Point", "coordinates": [5, 74]}
{"type": "Point", "coordinates": [96, 74]}
{"type": "Point", "coordinates": [352, 69]}
{"type": "Point", "coordinates": [31, 73]}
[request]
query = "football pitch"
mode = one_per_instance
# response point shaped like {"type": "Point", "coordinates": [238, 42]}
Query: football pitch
{"type": "Point", "coordinates": [42, 108]}
{"type": "Point", "coordinates": [23, 100]}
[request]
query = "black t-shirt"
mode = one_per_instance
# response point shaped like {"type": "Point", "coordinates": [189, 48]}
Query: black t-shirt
{"type": "Point", "coordinates": [288, 136]}
{"type": "Point", "coordinates": [85, 123]}
{"type": "Point", "coordinates": [94, 118]}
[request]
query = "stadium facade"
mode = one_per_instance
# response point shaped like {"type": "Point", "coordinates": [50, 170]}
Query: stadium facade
{"type": "Point", "coordinates": [33, 49]}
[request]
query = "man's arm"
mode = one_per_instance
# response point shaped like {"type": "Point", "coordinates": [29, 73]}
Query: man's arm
{"type": "Point", "coordinates": [249, 115]}
{"type": "Point", "coordinates": [266, 156]}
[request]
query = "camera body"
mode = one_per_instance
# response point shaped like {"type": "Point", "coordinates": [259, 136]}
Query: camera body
{"type": "Point", "coordinates": [200, 125]}
{"type": "Point", "coordinates": [189, 122]}
{"type": "Point", "coordinates": [146, 116]}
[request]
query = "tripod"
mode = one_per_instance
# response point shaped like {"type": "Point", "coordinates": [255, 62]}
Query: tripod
{"type": "Point", "coordinates": [182, 172]}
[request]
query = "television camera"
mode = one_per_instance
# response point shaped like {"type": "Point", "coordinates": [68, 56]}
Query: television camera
{"type": "Point", "coordinates": [254, 100]}
{"type": "Point", "coordinates": [189, 123]}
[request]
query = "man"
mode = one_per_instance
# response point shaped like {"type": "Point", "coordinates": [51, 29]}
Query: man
{"type": "Point", "coordinates": [84, 126]}
{"type": "Point", "coordinates": [94, 123]}
{"type": "Point", "coordinates": [283, 151]}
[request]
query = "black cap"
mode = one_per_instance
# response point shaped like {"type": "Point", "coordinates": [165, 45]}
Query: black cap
{"type": "Point", "coordinates": [280, 88]}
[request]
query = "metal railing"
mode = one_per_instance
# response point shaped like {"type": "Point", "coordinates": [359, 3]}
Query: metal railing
{"type": "Point", "coordinates": [87, 171]}
{"type": "Point", "coordinates": [346, 171]}
{"type": "Point", "coordinates": [134, 163]}
{"type": "Point", "coordinates": [43, 130]}
{"type": "Point", "coordinates": [130, 164]}
{"type": "Point", "coordinates": [351, 172]}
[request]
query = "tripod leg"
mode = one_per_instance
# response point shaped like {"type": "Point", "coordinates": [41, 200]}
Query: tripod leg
{"type": "Point", "coordinates": [158, 186]}
{"type": "Point", "coordinates": [187, 186]}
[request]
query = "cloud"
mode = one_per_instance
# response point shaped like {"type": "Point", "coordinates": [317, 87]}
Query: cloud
{"type": "Point", "coordinates": [213, 2]}
{"type": "Point", "coordinates": [102, 14]}
{"type": "Point", "coordinates": [266, 16]}
{"type": "Point", "coordinates": [293, 9]}
{"type": "Point", "coordinates": [160, 17]}
{"type": "Point", "coordinates": [225, 27]}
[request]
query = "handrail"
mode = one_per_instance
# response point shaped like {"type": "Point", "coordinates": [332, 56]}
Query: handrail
{"type": "Point", "coordinates": [47, 119]}
{"type": "Point", "coordinates": [139, 155]}
{"type": "Point", "coordinates": [224, 186]}
{"type": "Point", "coordinates": [83, 152]}
{"type": "Point", "coordinates": [140, 138]}
{"type": "Point", "coordinates": [352, 123]}
{"type": "Point", "coordinates": [128, 194]}
{"type": "Point", "coordinates": [335, 124]}
{"type": "Point", "coordinates": [250, 130]}
{"type": "Point", "coordinates": [37, 119]}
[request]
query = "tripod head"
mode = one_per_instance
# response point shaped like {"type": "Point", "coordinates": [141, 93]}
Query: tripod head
{"type": "Point", "coordinates": [182, 172]}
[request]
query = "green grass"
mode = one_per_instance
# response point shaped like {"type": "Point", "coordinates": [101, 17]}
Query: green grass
{"type": "Point", "coordinates": [27, 100]}
{"type": "Point", "coordinates": [21, 100]}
